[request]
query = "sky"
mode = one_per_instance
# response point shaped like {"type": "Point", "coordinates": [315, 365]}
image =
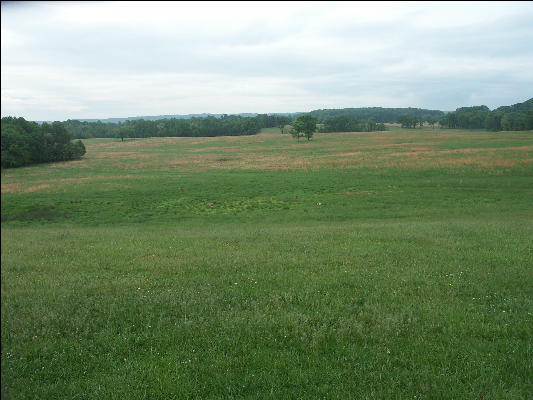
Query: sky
{"type": "Point", "coordinates": [69, 60]}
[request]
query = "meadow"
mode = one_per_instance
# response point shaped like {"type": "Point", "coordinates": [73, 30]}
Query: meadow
{"type": "Point", "coordinates": [371, 265]}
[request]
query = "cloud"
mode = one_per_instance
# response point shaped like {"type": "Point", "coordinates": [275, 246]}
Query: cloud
{"type": "Point", "coordinates": [98, 60]}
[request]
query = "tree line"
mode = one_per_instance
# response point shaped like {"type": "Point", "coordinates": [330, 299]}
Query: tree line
{"type": "Point", "coordinates": [25, 142]}
{"type": "Point", "coordinates": [379, 114]}
{"type": "Point", "coordinates": [353, 120]}
{"type": "Point", "coordinates": [518, 117]}
{"type": "Point", "coordinates": [347, 123]}
{"type": "Point", "coordinates": [411, 121]}
{"type": "Point", "coordinates": [225, 125]}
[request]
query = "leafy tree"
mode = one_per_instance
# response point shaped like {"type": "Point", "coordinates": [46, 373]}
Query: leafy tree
{"type": "Point", "coordinates": [371, 125]}
{"type": "Point", "coordinates": [449, 120]}
{"type": "Point", "coordinates": [407, 121]}
{"type": "Point", "coordinates": [494, 121]}
{"type": "Point", "coordinates": [282, 121]}
{"type": "Point", "coordinates": [294, 133]}
{"type": "Point", "coordinates": [431, 120]}
{"type": "Point", "coordinates": [381, 127]}
{"type": "Point", "coordinates": [379, 113]}
{"type": "Point", "coordinates": [16, 150]}
{"type": "Point", "coordinates": [345, 123]}
{"type": "Point", "coordinates": [341, 123]}
{"type": "Point", "coordinates": [125, 131]}
{"type": "Point", "coordinates": [305, 125]}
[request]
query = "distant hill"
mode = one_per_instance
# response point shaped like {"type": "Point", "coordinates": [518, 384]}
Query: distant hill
{"type": "Point", "coordinates": [379, 113]}
{"type": "Point", "coordinates": [169, 116]}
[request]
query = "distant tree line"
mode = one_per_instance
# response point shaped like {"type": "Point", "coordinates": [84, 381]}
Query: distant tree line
{"type": "Point", "coordinates": [25, 142]}
{"type": "Point", "coordinates": [347, 123]}
{"type": "Point", "coordinates": [226, 125]}
{"type": "Point", "coordinates": [411, 121]}
{"type": "Point", "coordinates": [507, 118]}
{"type": "Point", "coordinates": [379, 114]}
{"type": "Point", "coordinates": [518, 117]}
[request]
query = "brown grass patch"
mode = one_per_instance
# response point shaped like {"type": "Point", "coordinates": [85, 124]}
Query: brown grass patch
{"type": "Point", "coordinates": [11, 188]}
{"type": "Point", "coordinates": [16, 188]}
{"type": "Point", "coordinates": [352, 154]}
{"type": "Point", "coordinates": [122, 155]}
{"type": "Point", "coordinates": [50, 183]}
{"type": "Point", "coordinates": [361, 192]}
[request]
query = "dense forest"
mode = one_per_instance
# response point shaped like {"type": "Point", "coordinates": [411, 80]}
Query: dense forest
{"type": "Point", "coordinates": [225, 125]}
{"type": "Point", "coordinates": [25, 142]}
{"type": "Point", "coordinates": [517, 117]}
{"type": "Point", "coordinates": [379, 114]}
{"type": "Point", "coordinates": [347, 123]}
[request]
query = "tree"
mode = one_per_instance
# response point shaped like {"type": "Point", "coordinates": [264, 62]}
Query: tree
{"type": "Point", "coordinates": [449, 120]}
{"type": "Point", "coordinates": [125, 131]}
{"type": "Point", "coordinates": [305, 125]}
{"type": "Point", "coordinates": [75, 150]}
{"type": "Point", "coordinates": [407, 121]}
{"type": "Point", "coordinates": [371, 125]}
{"type": "Point", "coordinates": [341, 123]}
{"type": "Point", "coordinates": [431, 120]}
{"type": "Point", "coordinates": [15, 149]}
{"type": "Point", "coordinates": [295, 133]}
{"type": "Point", "coordinates": [282, 121]}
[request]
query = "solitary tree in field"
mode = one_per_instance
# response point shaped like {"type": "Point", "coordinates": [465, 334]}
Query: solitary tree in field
{"type": "Point", "coordinates": [125, 131]}
{"type": "Point", "coordinates": [305, 125]}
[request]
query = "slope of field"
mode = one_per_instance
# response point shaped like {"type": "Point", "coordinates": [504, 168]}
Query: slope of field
{"type": "Point", "coordinates": [390, 264]}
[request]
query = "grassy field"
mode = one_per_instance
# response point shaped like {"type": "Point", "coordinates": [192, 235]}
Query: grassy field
{"type": "Point", "coordinates": [385, 265]}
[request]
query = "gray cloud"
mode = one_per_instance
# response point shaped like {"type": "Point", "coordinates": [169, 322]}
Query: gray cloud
{"type": "Point", "coordinates": [98, 60]}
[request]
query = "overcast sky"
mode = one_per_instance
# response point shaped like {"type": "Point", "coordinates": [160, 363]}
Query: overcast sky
{"type": "Point", "coordinates": [98, 60]}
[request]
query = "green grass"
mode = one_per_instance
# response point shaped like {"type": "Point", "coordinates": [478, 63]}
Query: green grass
{"type": "Point", "coordinates": [412, 279]}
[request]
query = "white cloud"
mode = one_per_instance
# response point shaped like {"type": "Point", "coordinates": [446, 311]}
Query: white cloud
{"type": "Point", "coordinates": [98, 60]}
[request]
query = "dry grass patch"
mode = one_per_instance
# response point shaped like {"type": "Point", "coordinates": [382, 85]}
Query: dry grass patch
{"type": "Point", "coordinates": [18, 188]}
{"type": "Point", "coordinates": [59, 183]}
